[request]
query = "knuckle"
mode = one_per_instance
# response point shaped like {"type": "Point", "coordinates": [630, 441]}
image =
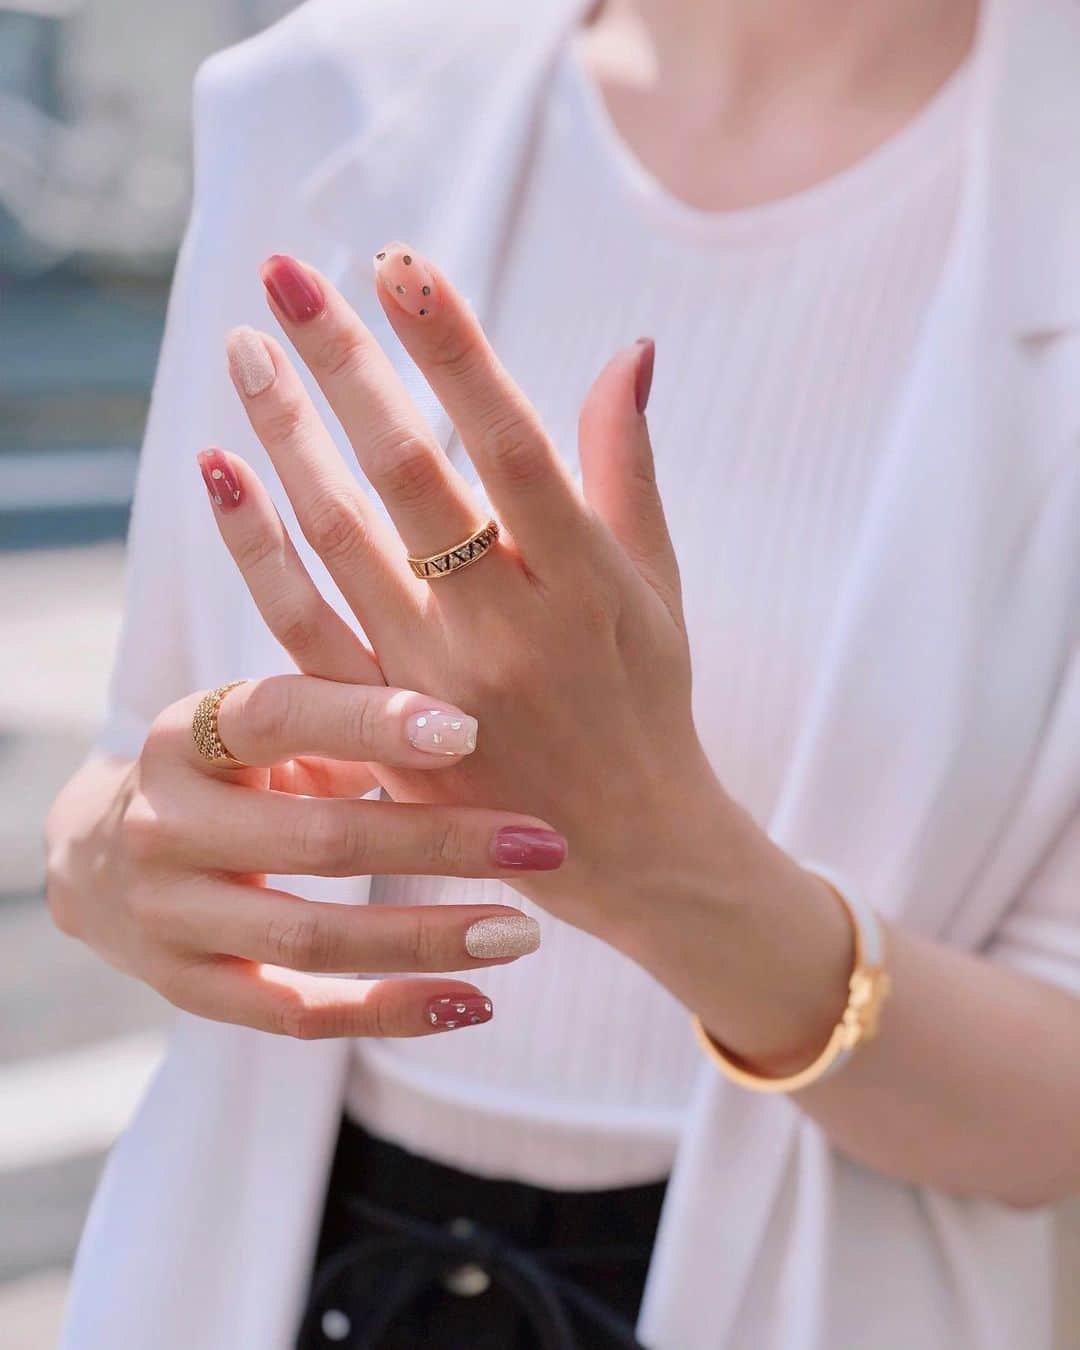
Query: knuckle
{"type": "Point", "coordinates": [336, 529]}
{"type": "Point", "coordinates": [447, 847]}
{"type": "Point", "coordinates": [343, 354]}
{"type": "Point", "coordinates": [405, 466]}
{"type": "Point", "coordinates": [360, 723]}
{"type": "Point", "coordinates": [142, 830]}
{"type": "Point", "coordinates": [420, 942]}
{"type": "Point", "coordinates": [292, 1016]}
{"type": "Point", "coordinates": [331, 843]}
{"type": "Point", "coordinates": [59, 904]}
{"type": "Point", "coordinates": [299, 635]}
{"type": "Point", "coordinates": [143, 907]}
{"type": "Point", "coordinates": [307, 943]}
{"type": "Point", "coordinates": [512, 446]}
{"type": "Point", "coordinates": [284, 425]}
{"type": "Point", "coordinates": [455, 355]}
{"type": "Point", "coordinates": [254, 551]}
{"type": "Point", "coordinates": [268, 710]}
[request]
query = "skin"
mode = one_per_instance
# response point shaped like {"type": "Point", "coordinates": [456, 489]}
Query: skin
{"type": "Point", "coordinates": [566, 642]}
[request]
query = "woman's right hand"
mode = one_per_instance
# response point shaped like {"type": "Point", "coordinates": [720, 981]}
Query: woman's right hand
{"type": "Point", "coordinates": [160, 865]}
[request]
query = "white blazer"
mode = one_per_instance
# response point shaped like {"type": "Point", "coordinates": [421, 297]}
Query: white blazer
{"type": "Point", "coordinates": [938, 767]}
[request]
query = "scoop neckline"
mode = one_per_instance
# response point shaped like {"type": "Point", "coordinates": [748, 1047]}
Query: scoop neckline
{"type": "Point", "coordinates": [916, 152]}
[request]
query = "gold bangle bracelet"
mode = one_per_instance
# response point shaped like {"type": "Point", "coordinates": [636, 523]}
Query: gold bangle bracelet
{"type": "Point", "coordinates": [868, 987]}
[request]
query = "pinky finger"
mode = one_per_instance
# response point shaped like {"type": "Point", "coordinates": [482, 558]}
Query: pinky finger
{"type": "Point", "coordinates": [316, 1007]}
{"type": "Point", "coordinates": [316, 637]}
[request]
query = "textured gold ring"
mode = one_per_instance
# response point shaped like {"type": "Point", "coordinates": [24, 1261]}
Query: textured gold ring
{"type": "Point", "coordinates": [461, 555]}
{"type": "Point", "coordinates": [204, 729]}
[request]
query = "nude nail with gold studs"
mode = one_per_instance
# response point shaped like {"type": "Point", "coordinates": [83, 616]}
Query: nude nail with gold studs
{"type": "Point", "coordinates": [220, 478]}
{"type": "Point", "coordinates": [408, 278]}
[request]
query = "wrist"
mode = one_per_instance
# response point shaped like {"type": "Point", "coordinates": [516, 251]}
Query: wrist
{"type": "Point", "coordinates": [755, 945]}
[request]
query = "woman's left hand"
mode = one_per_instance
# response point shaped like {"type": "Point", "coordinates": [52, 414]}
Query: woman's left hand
{"type": "Point", "coordinates": [566, 639]}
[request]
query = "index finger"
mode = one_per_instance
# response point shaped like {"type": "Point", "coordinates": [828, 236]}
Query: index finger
{"type": "Point", "coordinates": [527, 480]}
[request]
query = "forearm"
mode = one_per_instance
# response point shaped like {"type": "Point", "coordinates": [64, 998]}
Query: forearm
{"type": "Point", "coordinates": [972, 1085]}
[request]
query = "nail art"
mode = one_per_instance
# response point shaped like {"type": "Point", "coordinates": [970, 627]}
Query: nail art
{"type": "Point", "coordinates": [527, 849]}
{"type": "Point", "coordinates": [502, 935]}
{"type": "Point", "coordinates": [439, 732]}
{"type": "Point", "coordinates": [466, 1010]}
{"type": "Point", "coordinates": [220, 479]}
{"type": "Point", "coordinates": [292, 288]}
{"type": "Point", "coordinates": [644, 373]}
{"type": "Point", "coordinates": [408, 278]}
{"type": "Point", "coordinates": [250, 363]}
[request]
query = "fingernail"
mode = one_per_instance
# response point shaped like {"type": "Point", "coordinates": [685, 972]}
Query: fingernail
{"type": "Point", "coordinates": [220, 479]}
{"type": "Point", "coordinates": [528, 849]}
{"type": "Point", "coordinates": [408, 278]}
{"type": "Point", "coordinates": [250, 364]}
{"type": "Point", "coordinates": [468, 1010]}
{"type": "Point", "coordinates": [292, 288]}
{"type": "Point", "coordinates": [502, 935]}
{"type": "Point", "coordinates": [438, 732]}
{"type": "Point", "coordinates": [643, 376]}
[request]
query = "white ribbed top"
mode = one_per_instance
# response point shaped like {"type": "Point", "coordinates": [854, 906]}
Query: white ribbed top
{"type": "Point", "coordinates": [783, 334]}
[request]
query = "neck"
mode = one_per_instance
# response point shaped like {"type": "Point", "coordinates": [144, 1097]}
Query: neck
{"type": "Point", "coordinates": [726, 52]}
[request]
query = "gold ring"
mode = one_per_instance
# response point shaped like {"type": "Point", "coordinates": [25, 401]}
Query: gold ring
{"type": "Point", "coordinates": [204, 729]}
{"type": "Point", "coordinates": [461, 555]}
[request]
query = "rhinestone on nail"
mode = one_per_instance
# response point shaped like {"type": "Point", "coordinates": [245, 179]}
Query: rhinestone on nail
{"type": "Point", "coordinates": [425, 290]}
{"type": "Point", "coordinates": [380, 256]}
{"type": "Point", "coordinates": [400, 289]}
{"type": "Point", "coordinates": [406, 258]}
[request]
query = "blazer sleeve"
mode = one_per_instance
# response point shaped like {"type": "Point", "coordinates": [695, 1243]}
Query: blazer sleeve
{"type": "Point", "coordinates": [1041, 933]}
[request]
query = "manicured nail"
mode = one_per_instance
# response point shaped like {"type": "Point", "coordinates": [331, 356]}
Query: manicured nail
{"type": "Point", "coordinates": [250, 363]}
{"type": "Point", "coordinates": [528, 849]}
{"type": "Point", "coordinates": [502, 935]}
{"type": "Point", "coordinates": [439, 732]}
{"type": "Point", "coordinates": [643, 376]}
{"type": "Point", "coordinates": [292, 288]}
{"type": "Point", "coordinates": [408, 278]}
{"type": "Point", "coordinates": [220, 479]}
{"type": "Point", "coordinates": [468, 1010]}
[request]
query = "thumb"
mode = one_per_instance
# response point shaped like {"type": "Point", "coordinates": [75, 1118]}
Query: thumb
{"type": "Point", "coordinates": [617, 469]}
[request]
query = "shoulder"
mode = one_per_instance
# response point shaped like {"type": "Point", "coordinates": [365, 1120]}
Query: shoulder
{"type": "Point", "coordinates": [318, 75]}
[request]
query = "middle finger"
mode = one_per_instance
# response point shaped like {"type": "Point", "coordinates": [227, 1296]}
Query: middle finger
{"type": "Point", "coordinates": [427, 498]}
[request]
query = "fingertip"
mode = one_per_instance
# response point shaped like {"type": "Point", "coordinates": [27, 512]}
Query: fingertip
{"type": "Point", "coordinates": [448, 1012]}
{"type": "Point", "coordinates": [407, 279]}
{"type": "Point", "coordinates": [221, 478]}
{"type": "Point", "coordinates": [251, 362]}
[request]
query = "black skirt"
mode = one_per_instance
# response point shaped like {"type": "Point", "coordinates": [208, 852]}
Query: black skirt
{"type": "Point", "coordinates": [416, 1256]}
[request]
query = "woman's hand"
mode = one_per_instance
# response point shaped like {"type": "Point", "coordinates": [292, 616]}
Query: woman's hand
{"type": "Point", "coordinates": [566, 637]}
{"type": "Point", "coordinates": [168, 883]}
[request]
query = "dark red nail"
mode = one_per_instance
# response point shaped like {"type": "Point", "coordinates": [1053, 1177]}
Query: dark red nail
{"type": "Point", "coordinates": [292, 288]}
{"type": "Point", "coordinates": [643, 376]}
{"type": "Point", "coordinates": [220, 479]}
{"type": "Point", "coordinates": [528, 850]}
{"type": "Point", "coordinates": [465, 1010]}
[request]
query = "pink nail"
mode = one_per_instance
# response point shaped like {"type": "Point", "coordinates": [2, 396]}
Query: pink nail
{"type": "Point", "coordinates": [643, 375]}
{"type": "Point", "coordinates": [465, 1010]}
{"type": "Point", "coordinates": [250, 364]}
{"type": "Point", "coordinates": [220, 479]}
{"type": "Point", "coordinates": [408, 278]}
{"type": "Point", "coordinates": [292, 288]}
{"type": "Point", "coordinates": [528, 849]}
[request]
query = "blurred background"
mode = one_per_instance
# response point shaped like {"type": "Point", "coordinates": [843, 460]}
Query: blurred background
{"type": "Point", "coordinates": [94, 177]}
